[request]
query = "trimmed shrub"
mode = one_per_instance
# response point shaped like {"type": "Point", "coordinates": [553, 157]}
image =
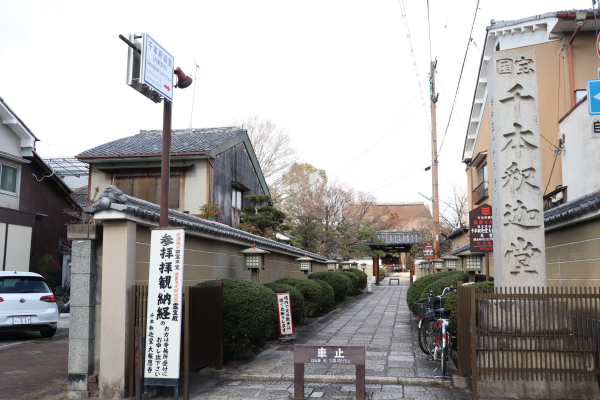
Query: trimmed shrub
{"type": "Point", "coordinates": [353, 289]}
{"type": "Point", "coordinates": [296, 300]}
{"type": "Point", "coordinates": [327, 296]}
{"type": "Point", "coordinates": [438, 285]}
{"type": "Point", "coordinates": [414, 290]}
{"type": "Point", "coordinates": [451, 302]}
{"type": "Point", "coordinates": [362, 277]}
{"type": "Point", "coordinates": [248, 312]}
{"type": "Point", "coordinates": [381, 274]}
{"type": "Point", "coordinates": [338, 282]}
{"type": "Point", "coordinates": [311, 291]}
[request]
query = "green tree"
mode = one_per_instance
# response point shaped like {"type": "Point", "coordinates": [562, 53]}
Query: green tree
{"type": "Point", "coordinates": [262, 219]}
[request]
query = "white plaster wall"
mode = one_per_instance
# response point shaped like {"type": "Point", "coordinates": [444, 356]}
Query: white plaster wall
{"type": "Point", "coordinates": [195, 182]}
{"type": "Point", "coordinates": [580, 160]}
{"type": "Point", "coordinates": [9, 141]}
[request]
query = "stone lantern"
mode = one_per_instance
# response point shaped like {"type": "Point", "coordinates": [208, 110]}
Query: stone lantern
{"type": "Point", "coordinates": [254, 260]}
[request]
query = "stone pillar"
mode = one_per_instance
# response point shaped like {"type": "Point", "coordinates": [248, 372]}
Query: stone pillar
{"type": "Point", "coordinates": [83, 303]}
{"type": "Point", "coordinates": [516, 170]}
{"type": "Point", "coordinates": [118, 275]}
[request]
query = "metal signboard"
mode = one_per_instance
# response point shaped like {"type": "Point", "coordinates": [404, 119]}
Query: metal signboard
{"type": "Point", "coordinates": [157, 67]}
{"type": "Point", "coordinates": [165, 296]}
{"type": "Point", "coordinates": [593, 96]}
{"type": "Point", "coordinates": [481, 229]}
{"type": "Point", "coordinates": [286, 327]}
{"type": "Point", "coordinates": [428, 251]}
{"type": "Point", "coordinates": [598, 45]}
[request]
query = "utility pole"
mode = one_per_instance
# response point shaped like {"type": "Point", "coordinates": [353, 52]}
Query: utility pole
{"type": "Point", "coordinates": [435, 203]}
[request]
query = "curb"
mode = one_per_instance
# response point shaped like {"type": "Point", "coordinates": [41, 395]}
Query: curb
{"type": "Point", "coordinates": [385, 380]}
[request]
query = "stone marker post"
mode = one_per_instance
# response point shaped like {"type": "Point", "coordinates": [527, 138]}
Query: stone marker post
{"type": "Point", "coordinates": [516, 170]}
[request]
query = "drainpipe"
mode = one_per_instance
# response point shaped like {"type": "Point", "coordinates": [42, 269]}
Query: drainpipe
{"type": "Point", "coordinates": [580, 17]}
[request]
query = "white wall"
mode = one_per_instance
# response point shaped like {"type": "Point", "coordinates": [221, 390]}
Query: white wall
{"type": "Point", "coordinates": [580, 160]}
{"type": "Point", "coordinates": [9, 141]}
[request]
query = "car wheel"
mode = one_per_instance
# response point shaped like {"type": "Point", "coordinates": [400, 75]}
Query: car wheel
{"type": "Point", "coordinates": [47, 332]}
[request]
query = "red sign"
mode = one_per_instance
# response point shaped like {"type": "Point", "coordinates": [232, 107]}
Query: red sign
{"type": "Point", "coordinates": [481, 231]}
{"type": "Point", "coordinates": [428, 252]}
{"type": "Point", "coordinates": [598, 45]}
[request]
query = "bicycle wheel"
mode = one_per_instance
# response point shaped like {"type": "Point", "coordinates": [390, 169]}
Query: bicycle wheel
{"type": "Point", "coordinates": [428, 334]}
{"type": "Point", "coordinates": [443, 359]}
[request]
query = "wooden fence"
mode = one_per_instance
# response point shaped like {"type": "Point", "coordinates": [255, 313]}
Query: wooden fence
{"type": "Point", "coordinates": [528, 334]}
{"type": "Point", "coordinates": [201, 333]}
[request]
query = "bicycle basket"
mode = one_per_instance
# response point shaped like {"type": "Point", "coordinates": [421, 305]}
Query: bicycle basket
{"type": "Point", "coordinates": [426, 307]}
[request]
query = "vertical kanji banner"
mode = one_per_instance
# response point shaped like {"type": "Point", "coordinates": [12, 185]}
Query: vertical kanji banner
{"type": "Point", "coordinates": [165, 296]}
{"type": "Point", "coordinates": [481, 238]}
{"type": "Point", "coordinates": [286, 327]}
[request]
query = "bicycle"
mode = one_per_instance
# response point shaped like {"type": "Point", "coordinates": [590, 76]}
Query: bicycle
{"type": "Point", "coordinates": [426, 311]}
{"type": "Point", "coordinates": [436, 338]}
{"type": "Point", "coordinates": [63, 298]}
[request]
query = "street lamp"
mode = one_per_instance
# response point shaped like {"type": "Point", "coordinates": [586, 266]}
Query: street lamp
{"type": "Point", "coordinates": [331, 264]}
{"type": "Point", "coordinates": [254, 260]}
{"type": "Point", "coordinates": [305, 264]}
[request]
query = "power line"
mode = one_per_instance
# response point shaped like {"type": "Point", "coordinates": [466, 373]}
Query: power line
{"type": "Point", "coordinates": [460, 76]}
{"type": "Point", "coordinates": [412, 54]}
{"type": "Point", "coordinates": [349, 162]}
{"type": "Point", "coordinates": [429, 29]}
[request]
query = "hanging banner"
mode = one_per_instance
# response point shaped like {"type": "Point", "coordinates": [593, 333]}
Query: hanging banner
{"type": "Point", "coordinates": [165, 296]}
{"type": "Point", "coordinates": [481, 229]}
{"type": "Point", "coordinates": [286, 327]}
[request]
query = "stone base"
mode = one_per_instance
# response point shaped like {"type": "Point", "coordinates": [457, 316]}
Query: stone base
{"type": "Point", "coordinates": [287, 339]}
{"type": "Point", "coordinates": [79, 394]}
{"type": "Point", "coordinates": [538, 390]}
{"type": "Point", "coordinates": [77, 382]}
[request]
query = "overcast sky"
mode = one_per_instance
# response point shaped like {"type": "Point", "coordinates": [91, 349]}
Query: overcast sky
{"type": "Point", "coordinates": [337, 74]}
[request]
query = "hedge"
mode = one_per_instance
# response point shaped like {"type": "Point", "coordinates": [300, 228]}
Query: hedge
{"type": "Point", "coordinates": [327, 296]}
{"type": "Point", "coordinates": [414, 290]}
{"type": "Point", "coordinates": [437, 287]}
{"type": "Point", "coordinates": [248, 312]}
{"type": "Point", "coordinates": [338, 282]}
{"type": "Point", "coordinates": [311, 291]}
{"type": "Point", "coordinates": [451, 302]}
{"type": "Point", "coordinates": [381, 274]}
{"type": "Point", "coordinates": [362, 277]}
{"type": "Point", "coordinates": [353, 289]}
{"type": "Point", "coordinates": [296, 300]}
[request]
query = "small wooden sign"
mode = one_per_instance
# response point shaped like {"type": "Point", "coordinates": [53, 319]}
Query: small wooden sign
{"type": "Point", "coordinates": [335, 355]}
{"type": "Point", "coordinates": [286, 327]}
{"type": "Point", "coordinates": [369, 284]}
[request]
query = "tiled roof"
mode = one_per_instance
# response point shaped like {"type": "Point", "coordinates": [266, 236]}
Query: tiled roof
{"type": "Point", "coordinates": [584, 206]}
{"type": "Point", "coordinates": [552, 14]}
{"type": "Point", "coordinates": [151, 212]}
{"type": "Point", "coordinates": [150, 142]}
{"type": "Point", "coordinates": [398, 236]}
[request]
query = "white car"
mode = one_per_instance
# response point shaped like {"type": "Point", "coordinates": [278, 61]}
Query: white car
{"type": "Point", "coordinates": [27, 303]}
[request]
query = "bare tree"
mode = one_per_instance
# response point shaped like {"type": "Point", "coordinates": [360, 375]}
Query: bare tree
{"type": "Point", "coordinates": [455, 208]}
{"type": "Point", "coordinates": [273, 147]}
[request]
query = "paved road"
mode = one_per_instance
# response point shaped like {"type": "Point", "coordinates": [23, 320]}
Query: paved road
{"type": "Point", "coordinates": [32, 367]}
{"type": "Point", "coordinates": [381, 322]}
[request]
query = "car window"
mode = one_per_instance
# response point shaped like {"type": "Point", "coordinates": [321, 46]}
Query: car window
{"type": "Point", "coordinates": [23, 284]}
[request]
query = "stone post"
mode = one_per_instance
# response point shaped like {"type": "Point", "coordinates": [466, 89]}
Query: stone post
{"type": "Point", "coordinates": [516, 170]}
{"type": "Point", "coordinates": [84, 267]}
{"type": "Point", "coordinates": [118, 275]}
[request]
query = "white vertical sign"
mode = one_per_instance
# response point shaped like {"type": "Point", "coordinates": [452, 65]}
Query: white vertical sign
{"type": "Point", "coordinates": [165, 296]}
{"type": "Point", "coordinates": [157, 67]}
{"type": "Point", "coordinates": [286, 327]}
{"type": "Point", "coordinates": [369, 280]}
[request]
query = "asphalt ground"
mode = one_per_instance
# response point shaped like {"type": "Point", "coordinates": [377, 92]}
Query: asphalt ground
{"type": "Point", "coordinates": [32, 367]}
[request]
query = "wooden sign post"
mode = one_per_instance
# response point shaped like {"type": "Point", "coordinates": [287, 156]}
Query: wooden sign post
{"type": "Point", "coordinates": [340, 355]}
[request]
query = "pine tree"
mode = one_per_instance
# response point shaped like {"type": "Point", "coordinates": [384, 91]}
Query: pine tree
{"type": "Point", "coordinates": [262, 219]}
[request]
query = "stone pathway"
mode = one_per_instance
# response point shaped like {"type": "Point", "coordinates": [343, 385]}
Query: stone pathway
{"type": "Point", "coordinates": [381, 322]}
{"type": "Point", "coordinates": [395, 366]}
{"type": "Point", "coordinates": [239, 390]}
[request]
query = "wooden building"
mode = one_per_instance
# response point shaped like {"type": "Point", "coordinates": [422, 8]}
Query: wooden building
{"type": "Point", "coordinates": [32, 199]}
